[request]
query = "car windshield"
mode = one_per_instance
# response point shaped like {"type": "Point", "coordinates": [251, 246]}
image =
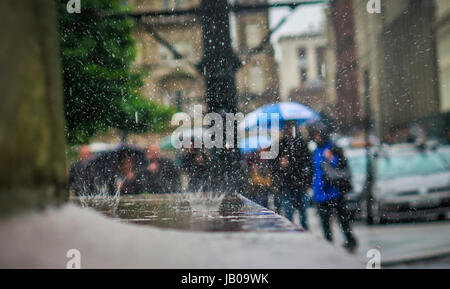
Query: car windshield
{"type": "Point", "coordinates": [357, 165]}
{"type": "Point", "coordinates": [405, 165]}
{"type": "Point", "coordinates": [445, 153]}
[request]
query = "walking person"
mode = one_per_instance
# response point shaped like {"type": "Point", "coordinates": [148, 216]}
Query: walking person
{"type": "Point", "coordinates": [332, 181]}
{"type": "Point", "coordinates": [292, 174]}
{"type": "Point", "coordinates": [259, 180]}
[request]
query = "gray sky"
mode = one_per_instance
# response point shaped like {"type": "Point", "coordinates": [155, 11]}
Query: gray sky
{"type": "Point", "coordinates": [304, 19]}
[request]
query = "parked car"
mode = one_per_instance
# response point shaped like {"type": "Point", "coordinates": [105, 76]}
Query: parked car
{"type": "Point", "coordinates": [410, 184]}
{"type": "Point", "coordinates": [357, 161]}
{"type": "Point", "coordinates": [356, 142]}
{"type": "Point", "coordinates": [444, 151]}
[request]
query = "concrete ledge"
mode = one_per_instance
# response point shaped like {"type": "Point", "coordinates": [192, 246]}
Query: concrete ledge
{"type": "Point", "coordinates": [42, 241]}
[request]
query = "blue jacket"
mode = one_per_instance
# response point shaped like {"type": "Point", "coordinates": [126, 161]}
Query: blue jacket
{"type": "Point", "coordinates": [322, 192]}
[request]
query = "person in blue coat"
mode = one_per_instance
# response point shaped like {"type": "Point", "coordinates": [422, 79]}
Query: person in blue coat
{"type": "Point", "coordinates": [330, 198]}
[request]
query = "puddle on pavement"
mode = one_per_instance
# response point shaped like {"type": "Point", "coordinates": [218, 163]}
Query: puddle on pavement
{"type": "Point", "coordinates": [196, 212]}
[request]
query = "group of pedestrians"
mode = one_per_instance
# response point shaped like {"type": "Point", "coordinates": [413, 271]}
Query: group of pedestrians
{"type": "Point", "coordinates": [127, 171]}
{"type": "Point", "coordinates": [296, 171]}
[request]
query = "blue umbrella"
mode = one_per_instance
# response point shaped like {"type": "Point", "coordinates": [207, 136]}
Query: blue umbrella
{"type": "Point", "coordinates": [254, 143]}
{"type": "Point", "coordinates": [286, 111]}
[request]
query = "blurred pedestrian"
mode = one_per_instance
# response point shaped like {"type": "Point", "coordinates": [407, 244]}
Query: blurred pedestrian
{"type": "Point", "coordinates": [79, 179]}
{"type": "Point", "coordinates": [259, 180]}
{"type": "Point", "coordinates": [332, 181]}
{"type": "Point", "coordinates": [292, 174]}
{"type": "Point", "coordinates": [161, 174]}
{"type": "Point", "coordinates": [128, 182]}
{"type": "Point", "coordinates": [195, 162]}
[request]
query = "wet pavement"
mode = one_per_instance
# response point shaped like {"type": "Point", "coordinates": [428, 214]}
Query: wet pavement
{"type": "Point", "coordinates": [42, 240]}
{"type": "Point", "coordinates": [433, 263]}
{"type": "Point", "coordinates": [401, 244]}
{"type": "Point", "coordinates": [207, 212]}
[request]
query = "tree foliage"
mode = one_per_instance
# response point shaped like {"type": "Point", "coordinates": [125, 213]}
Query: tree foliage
{"type": "Point", "coordinates": [101, 88]}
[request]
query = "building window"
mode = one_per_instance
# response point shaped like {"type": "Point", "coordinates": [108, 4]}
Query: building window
{"type": "Point", "coordinates": [302, 61]}
{"type": "Point", "coordinates": [185, 49]}
{"type": "Point", "coordinates": [165, 4]}
{"type": "Point", "coordinates": [178, 3]}
{"type": "Point", "coordinates": [179, 100]}
{"type": "Point", "coordinates": [253, 35]}
{"type": "Point", "coordinates": [256, 78]}
{"type": "Point", "coordinates": [320, 52]}
{"type": "Point", "coordinates": [164, 53]}
{"type": "Point", "coordinates": [303, 75]}
{"type": "Point", "coordinates": [303, 64]}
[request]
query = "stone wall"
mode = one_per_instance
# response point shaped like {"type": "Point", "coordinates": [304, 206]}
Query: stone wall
{"type": "Point", "coordinates": [32, 142]}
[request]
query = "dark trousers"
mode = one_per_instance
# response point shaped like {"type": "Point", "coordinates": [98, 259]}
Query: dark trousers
{"type": "Point", "coordinates": [326, 212]}
{"type": "Point", "coordinates": [291, 201]}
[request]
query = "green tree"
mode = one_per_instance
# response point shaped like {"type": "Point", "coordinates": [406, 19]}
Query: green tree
{"type": "Point", "coordinates": [101, 90]}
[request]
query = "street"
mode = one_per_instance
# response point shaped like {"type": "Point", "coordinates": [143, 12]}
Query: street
{"type": "Point", "coordinates": [401, 245]}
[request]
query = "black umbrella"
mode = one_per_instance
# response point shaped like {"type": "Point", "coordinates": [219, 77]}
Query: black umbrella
{"type": "Point", "coordinates": [103, 169]}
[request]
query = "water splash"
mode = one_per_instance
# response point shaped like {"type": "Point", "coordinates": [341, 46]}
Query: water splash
{"type": "Point", "coordinates": [205, 203]}
{"type": "Point", "coordinates": [102, 200]}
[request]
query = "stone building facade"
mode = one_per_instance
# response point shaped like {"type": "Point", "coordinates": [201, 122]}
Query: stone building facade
{"type": "Point", "coordinates": [177, 82]}
{"type": "Point", "coordinates": [346, 111]}
{"type": "Point", "coordinates": [170, 81]}
{"type": "Point", "coordinates": [257, 81]}
{"type": "Point", "coordinates": [401, 64]}
{"type": "Point", "coordinates": [302, 69]}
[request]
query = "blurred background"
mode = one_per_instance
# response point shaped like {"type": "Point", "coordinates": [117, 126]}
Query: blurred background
{"type": "Point", "coordinates": [376, 73]}
{"type": "Point", "coordinates": [381, 80]}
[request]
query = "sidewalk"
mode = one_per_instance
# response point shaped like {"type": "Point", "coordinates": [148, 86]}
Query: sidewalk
{"type": "Point", "coordinates": [42, 241]}
{"type": "Point", "coordinates": [398, 243]}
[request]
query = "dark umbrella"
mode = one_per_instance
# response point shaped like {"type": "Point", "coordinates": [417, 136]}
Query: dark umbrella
{"type": "Point", "coordinates": [103, 169]}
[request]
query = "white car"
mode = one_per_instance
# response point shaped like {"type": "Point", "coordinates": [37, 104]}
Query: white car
{"type": "Point", "coordinates": [411, 184]}
{"type": "Point", "coordinates": [444, 151]}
